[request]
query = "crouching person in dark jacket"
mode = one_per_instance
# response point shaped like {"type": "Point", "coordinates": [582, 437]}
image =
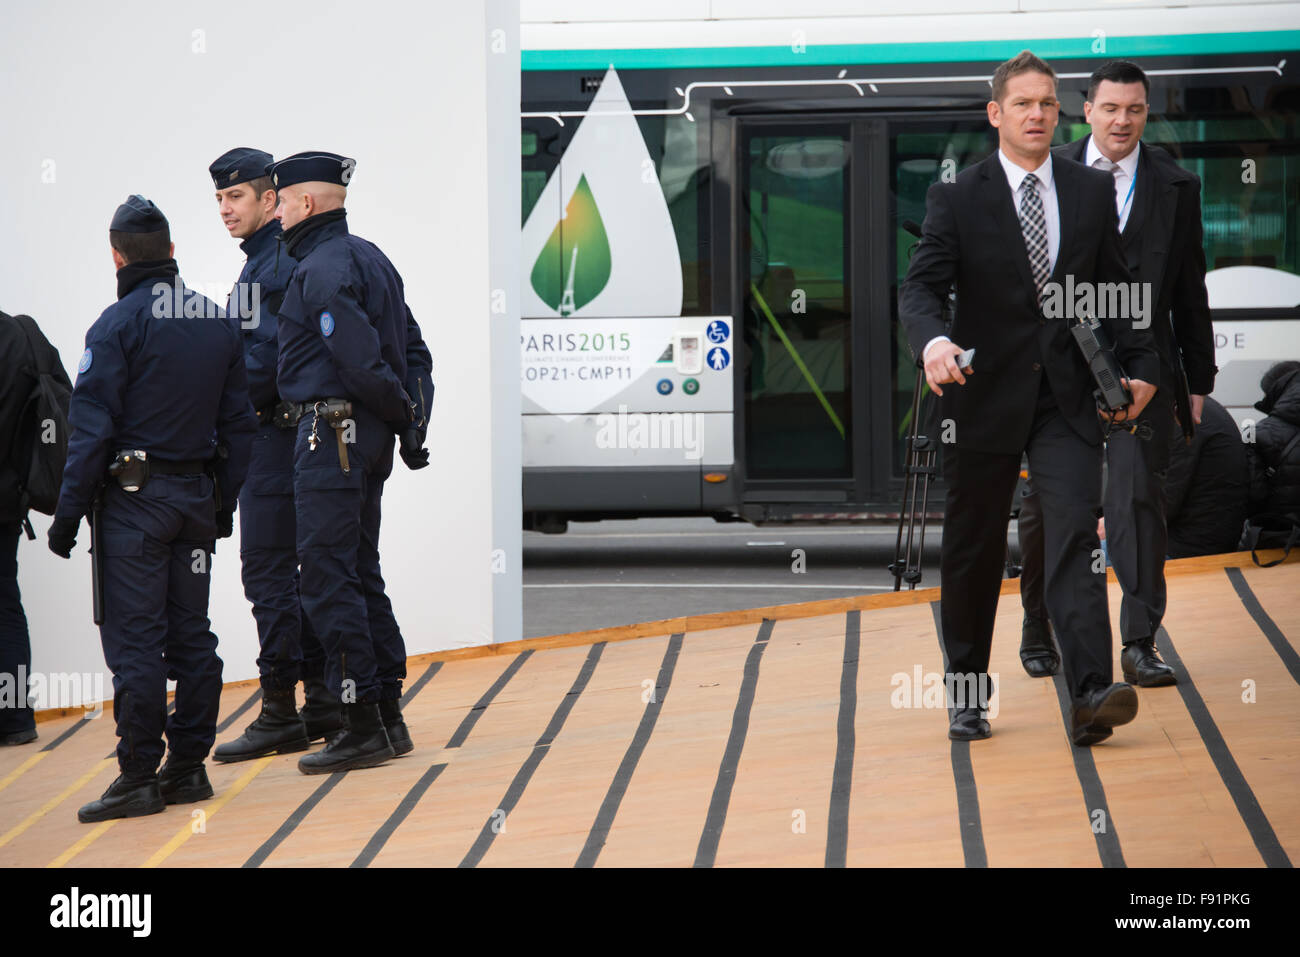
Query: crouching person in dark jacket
{"type": "Point", "coordinates": [1206, 486]}
{"type": "Point", "coordinates": [1274, 459]}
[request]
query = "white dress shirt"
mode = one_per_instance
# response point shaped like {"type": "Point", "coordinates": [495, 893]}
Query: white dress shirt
{"type": "Point", "coordinates": [1125, 179]}
{"type": "Point", "coordinates": [1046, 187]}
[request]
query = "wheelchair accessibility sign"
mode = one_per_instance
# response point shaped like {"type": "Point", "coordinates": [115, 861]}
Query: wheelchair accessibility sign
{"type": "Point", "coordinates": [718, 332]}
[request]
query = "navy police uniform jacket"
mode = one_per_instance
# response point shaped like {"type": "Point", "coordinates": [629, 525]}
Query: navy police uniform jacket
{"type": "Point", "coordinates": [267, 270]}
{"type": "Point", "coordinates": [163, 371]}
{"type": "Point", "coordinates": [344, 325]}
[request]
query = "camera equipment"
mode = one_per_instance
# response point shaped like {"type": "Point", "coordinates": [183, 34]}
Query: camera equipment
{"type": "Point", "coordinates": [922, 452]}
{"type": "Point", "coordinates": [1105, 368]}
{"type": "Point", "coordinates": [1111, 394]}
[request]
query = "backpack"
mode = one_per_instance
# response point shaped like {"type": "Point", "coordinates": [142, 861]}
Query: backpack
{"type": "Point", "coordinates": [41, 444]}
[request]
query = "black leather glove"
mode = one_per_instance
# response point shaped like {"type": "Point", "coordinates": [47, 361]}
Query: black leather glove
{"type": "Point", "coordinates": [225, 523]}
{"type": "Point", "coordinates": [412, 449]}
{"type": "Point", "coordinates": [63, 536]}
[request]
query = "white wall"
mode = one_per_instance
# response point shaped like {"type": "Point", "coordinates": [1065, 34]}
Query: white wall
{"type": "Point", "coordinates": [103, 100]}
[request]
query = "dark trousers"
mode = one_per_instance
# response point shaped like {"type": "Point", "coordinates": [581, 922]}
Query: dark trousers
{"type": "Point", "coordinates": [15, 643]}
{"type": "Point", "coordinates": [157, 548]}
{"type": "Point", "coordinates": [338, 517]}
{"type": "Point", "coordinates": [1136, 535]}
{"type": "Point", "coordinates": [980, 487]}
{"type": "Point", "coordinates": [268, 552]}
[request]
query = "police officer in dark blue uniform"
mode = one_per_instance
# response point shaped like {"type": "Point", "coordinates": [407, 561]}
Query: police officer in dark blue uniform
{"type": "Point", "coordinates": [161, 428]}
{"type": "Point", "coordinates": [345, 336]}
{"type": "Point", "coordinates": [267, 536]}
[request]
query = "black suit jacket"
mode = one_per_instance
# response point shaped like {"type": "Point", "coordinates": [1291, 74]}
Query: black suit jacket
{"type": "Point", "coordinates": [1162, 243]}
{"type": "Point", "coordinates": [972, 237]}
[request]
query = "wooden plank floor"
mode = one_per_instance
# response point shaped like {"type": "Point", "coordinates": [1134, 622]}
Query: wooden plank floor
{"type": "Point", "coordinates": [758, 742]}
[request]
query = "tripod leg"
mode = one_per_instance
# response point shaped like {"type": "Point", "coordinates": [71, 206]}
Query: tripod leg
{"type": "Point", "coordinates": [907, 505]}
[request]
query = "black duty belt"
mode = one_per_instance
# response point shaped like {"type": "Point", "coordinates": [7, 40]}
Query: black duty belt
{"type": "Point", "coordinates": [132, 468]}
{"type": "Point", "coordinates": [174, 467]}
{"type": "Point", "coordinates": [336, 413]}
{"type": "Point", "coordinates": [283, 415]}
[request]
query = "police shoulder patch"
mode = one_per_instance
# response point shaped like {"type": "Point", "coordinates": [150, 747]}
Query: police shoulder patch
{"type": "Point", "coordinates": [84, 364]}
{"type": "Point", "coordinates": [326, 324]}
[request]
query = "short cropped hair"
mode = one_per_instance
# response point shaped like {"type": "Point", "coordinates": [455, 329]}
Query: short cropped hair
{"type": "Point", "coordinates": [141, 247]}
{"type": "Point", "coordinates": [1117, 71]}
{"type": "Point", "coordinates": [1023, 62]}
{"type": "Point", "coordinates": [260, 185]}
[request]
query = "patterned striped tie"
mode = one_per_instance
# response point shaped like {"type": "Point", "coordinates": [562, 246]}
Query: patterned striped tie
{"type": "Point", "coordinates": [1034, 227]}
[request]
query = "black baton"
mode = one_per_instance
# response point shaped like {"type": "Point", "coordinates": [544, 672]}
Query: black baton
{"type": "Point", "coordinates": [97, 555]}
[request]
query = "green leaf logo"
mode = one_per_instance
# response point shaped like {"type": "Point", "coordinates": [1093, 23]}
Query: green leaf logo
{"type": "Point", "coordinates": [573, 266]}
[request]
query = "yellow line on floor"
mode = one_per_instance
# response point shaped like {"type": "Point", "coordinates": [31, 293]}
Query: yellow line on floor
{"type": "Point", "coordinates": [82, 844]}
{"type": "Point", "coordinates": [17, 772]}
{"type": "Point", "coordinates": [209, 812]}
{"type": "Point", "coordinates": [52, 803]}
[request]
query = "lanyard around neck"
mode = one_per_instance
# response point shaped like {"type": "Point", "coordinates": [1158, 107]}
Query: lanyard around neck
{"type": "Point", "coordinates": [1133, 182]}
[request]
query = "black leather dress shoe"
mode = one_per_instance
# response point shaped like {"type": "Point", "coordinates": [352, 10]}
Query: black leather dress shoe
{"type": "Point", "coordinates": [1037, 649]}
{"type": "Point", "coordinates": [1142, 665]}
{"type": "Point", "coordinates": [1100, 710]}
{"type": "Point", "coordinates": [183, 782]}
{"type": "Point", "coordinates": [14, 738]}
{"type": "Point", "coordinates": [131, 795]}
{"type": "Point", "coordinates": [968, 725]}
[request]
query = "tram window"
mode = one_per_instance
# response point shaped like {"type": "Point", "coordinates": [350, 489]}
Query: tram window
{"type": "Point", "coordinates": [1250, 185]}
{"type": "Point", "coordinates": [921, 153]}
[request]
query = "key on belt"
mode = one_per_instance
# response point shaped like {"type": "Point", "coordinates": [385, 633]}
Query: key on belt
{"type": "Point", "coordinates": [336, 413]}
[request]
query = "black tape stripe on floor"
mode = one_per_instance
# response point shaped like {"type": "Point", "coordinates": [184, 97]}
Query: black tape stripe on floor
{"type": "Point", "coordinates": [412, 798]}
{"type": "Point", "coordinates": [837, 817]}
{"type": "Point", "coordinates": [707, 851]}
{"type": "Point", "coordinates": [302, 810]}
{"type": "Point", "coordinates": [253, 699]}
{"type": "Point", "coordinates": [476, 712]}
{"type": "Point", "coordinates": [497, 819]}
{"type": "Point", "coordinates": [1094, 794]}
{"type": "Point", "coordinates": [420, 682]}
{"type": "Point", "coordinates": [1252, 815]}
{"type": "Point", "coordinates": [969, 824]}
{"type": "Point", "coordinates": [618, 787]}
{"type": "Point", "coordinates": [69, 732]}
{"type": "Point", "coordinates": [1266, 624]}
{"type": "Point", "coordinates": [293, 820]}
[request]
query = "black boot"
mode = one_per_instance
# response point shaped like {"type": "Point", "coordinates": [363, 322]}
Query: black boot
{"type": "Point", "coordinates": [133, 794]}
{"type": "Point", "coordinates": [278, 729]}
{"type": "Point", "coordinates": [321, 712]}
{"type": "Point", "coordinates": [362, 744]}
{"type": "Point", "coordinates": [390, 710]}
{"type": "Point", "coordinates": [183, 781]}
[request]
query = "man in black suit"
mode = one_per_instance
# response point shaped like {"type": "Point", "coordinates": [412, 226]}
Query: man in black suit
{"type": "Point", "coordinates": [1159, 209]}
{"type": "Point", "coordinates": [1008, 232]}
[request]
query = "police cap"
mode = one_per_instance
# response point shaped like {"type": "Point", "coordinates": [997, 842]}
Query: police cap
{"type": "Point", "coordinates": [138, 215]}
{"type": "Point", "coordinates": [240, 165]}
{"type": "Point", "coordinates": [313, 166]}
